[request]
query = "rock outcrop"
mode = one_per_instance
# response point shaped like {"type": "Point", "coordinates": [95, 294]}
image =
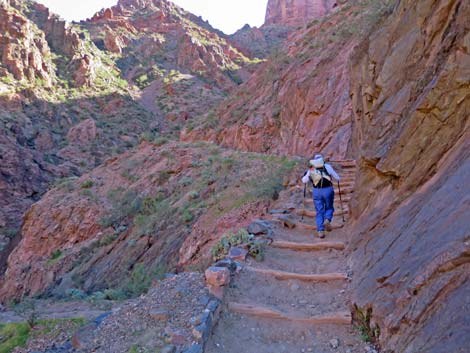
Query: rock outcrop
{"type": "Point", "coordinates": [169, 54]}
{"type": "Point", "coordinates": [411, 251]}
{"type": "Point", "coordinates": [24, 51]}
{"type": "Point", "coordinates": [260, 42]}
{"type": "Point", "coordinates": [295, 12]}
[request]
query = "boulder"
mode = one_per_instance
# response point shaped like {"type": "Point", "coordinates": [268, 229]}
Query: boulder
{"type": "Point", "coordinates": [217, 276]}
{"type": "Point", "coordinates": [83, 133]}
{"type": "Point", "coordinates": [259, 227]}
{"type": "Point", "coordinates": [238, 254]}
{"type": "Point", "coordinates": [228, 263]}
{"type": "Point", "coordinates": [287, 222]}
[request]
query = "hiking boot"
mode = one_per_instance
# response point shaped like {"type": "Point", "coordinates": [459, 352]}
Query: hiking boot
{"type": "Point", "coordinates": [321, 234]}
{"type": "Point", "coordinates": [327, 225]}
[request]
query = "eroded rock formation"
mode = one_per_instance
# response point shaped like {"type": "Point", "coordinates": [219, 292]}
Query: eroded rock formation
{"type": "Point", "coordinates": [24, 51]}
{"type": "Point", "coordinates": [411, 103]}
{"type": "Point", "coordinates": [298, 102]}
{"type": "Point", "coordinates": [294, 12]}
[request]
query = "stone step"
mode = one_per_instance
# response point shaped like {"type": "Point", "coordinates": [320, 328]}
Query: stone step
{"type": "Point", "coordinates": [295, 261]}
{"type": "Point", "coordinates": [349, 162]}
{"type": "Point", "coordinates": [346, 199]}
{"type": "Point", "coordinates": [344, 186]}
{"type": "Point", "coordinates": [295, 223]}
{"type": "Point", "coordinates": [339, 318]}
{"type": "Point", "coordinates": [324, 245]}
{"type": "Point", "coordinates": [313, 227]}
{"type": "Point", "coordinates": [313, 214]}
{"type": "Point", "coordinates": [282, 275]}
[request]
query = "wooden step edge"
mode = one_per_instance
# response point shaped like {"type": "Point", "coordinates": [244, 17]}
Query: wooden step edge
{"type": "Point", "coordinates": [325, 245]}
{"type": "Point", "coordinates": [307, 226]}
{"type": "Point", "coordinates": [340, 318]}
{"type": "Point", "coordinates": [282, 275]}
{"type": "Point", "coordinates": [313, 214]}
{"type": "Point", "coordinates": [337, 200]}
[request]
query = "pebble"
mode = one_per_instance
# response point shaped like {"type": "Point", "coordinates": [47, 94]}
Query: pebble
{"type": "Point", "coordinates": [294, 287]}
{"type": "Point", "coordinates": [334, 343]}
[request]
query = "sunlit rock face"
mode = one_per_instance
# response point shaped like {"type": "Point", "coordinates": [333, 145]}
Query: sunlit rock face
{"type": "Point", "coordinates": [294, 12]}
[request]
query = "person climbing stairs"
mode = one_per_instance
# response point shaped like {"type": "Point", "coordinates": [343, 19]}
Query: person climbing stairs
{"type": "Point", "coordinates": [296, 300]}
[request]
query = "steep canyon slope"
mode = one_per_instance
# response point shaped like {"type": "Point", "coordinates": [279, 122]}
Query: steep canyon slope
{"type": "Point", "coordinates": [90, 233]}
{"type": "Point", "coordinates": [177, 59]}
{"type": "Point", "coordinates": [66, 104]}
{"type": "Point", "coordinates": [411, 252]}
{"type": "Point", "coordinates": [298, 101]}
{"type": "Point", "coordinates": [58, 96]}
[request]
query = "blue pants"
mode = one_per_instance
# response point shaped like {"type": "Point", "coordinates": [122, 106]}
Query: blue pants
{"type": "Point", "coordinates": [323, 200]}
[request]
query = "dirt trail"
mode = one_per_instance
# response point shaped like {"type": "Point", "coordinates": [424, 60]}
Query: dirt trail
{"type": "Point", "coordinates": [295, 300]}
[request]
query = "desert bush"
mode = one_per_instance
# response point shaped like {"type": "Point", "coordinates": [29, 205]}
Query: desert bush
{"type": "Point", "coordinates": [222, 247]}
{"type": "Point", "coordinates": [362, 319]}
{"type": "Point", "coordinates": [87, 184]}
{"type": "Point", "coordinates": [141, 278]}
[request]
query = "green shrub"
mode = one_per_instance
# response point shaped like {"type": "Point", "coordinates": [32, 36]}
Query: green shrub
{"type": "Point", "coordinates": [87, 184]}
{"type": "Point", "coordinates": [126, 204]}
{"type": "Point", "coordinates": [114, 294]}
{"type": "Point", "coordinates": [152, 218]}
{"type": "Point", "coordinates": [10, 232]}
{"type": "Point", "coordinates": [141, 279]}
{"type": "Point", "coordinates": [362, 318]}
{"type": "Point", "coordinates": [55, 257]}
{"type": "Point", "coordinates": [193, 195]}
{"type": "Point", "coordinates": [12, 336]}
{"type": "Point", "coordinates": [75, 294]}
{"type": "Point", "coordinates": [222, 248]}
{"type": "Point", "coordinates": [160, 141]}
{"type": "Point", "coordinates": [66, 184]}
{"type": "Point", "coordinates": [187, 216]}
{"type": "Point", "coordinates": [108, 239]}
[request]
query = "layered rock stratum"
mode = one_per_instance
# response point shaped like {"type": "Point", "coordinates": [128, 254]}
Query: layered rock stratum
{"type": "Point", "coordinates": [297, 12]}
{"type": "Point", "coordinates": [411, 103]}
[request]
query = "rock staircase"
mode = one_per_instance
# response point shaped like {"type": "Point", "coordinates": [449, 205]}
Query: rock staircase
{"type": "Point", "coordinates": [296, 300]}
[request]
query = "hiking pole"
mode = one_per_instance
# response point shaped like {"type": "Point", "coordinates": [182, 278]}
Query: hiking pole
{"type": "Point", "coordinates": [341, 200]}
{"type": "Point", "coordinates": [305, 194]}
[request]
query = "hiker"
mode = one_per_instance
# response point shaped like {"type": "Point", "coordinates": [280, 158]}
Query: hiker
{"type": "Point", "coordinates": [321, 174]}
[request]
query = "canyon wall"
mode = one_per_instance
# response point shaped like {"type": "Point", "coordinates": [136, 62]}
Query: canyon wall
{"type": "Point", "coordinates": [298, 102]}
{"type": "Point", "coordinates": [295, 12]}
{"type": "Point", "coordinates": [411, 248]}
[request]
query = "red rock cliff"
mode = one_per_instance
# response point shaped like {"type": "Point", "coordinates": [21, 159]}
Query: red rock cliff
{"type": "Point", "coordinates": [298, 102]}
{"type": "Point", "coordinates": [294, 12]}
{"type": "Point", "coordinates": [411, 251]}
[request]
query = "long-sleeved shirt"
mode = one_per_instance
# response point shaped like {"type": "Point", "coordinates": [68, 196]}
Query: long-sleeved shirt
{"type": "Point", "coordinates": [329, 169]}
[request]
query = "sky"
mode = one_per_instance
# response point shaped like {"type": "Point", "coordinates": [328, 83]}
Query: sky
{"type": "Point", "coordinates": [226, 15]}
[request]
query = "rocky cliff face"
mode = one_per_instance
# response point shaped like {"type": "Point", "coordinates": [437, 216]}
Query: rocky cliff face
{"type": "Point", "coordinates": [181, 63]}
{"type": "Point", "coordinates": [24, 51]}
{"type": "Point", "coordinates": [295, 12]}
{"type": "Point", "coordinates": [298, 102]}
{"type": "Point", "coordinates": [42, 115]}
{"type": "Point", "coordinates": [411, 104]}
